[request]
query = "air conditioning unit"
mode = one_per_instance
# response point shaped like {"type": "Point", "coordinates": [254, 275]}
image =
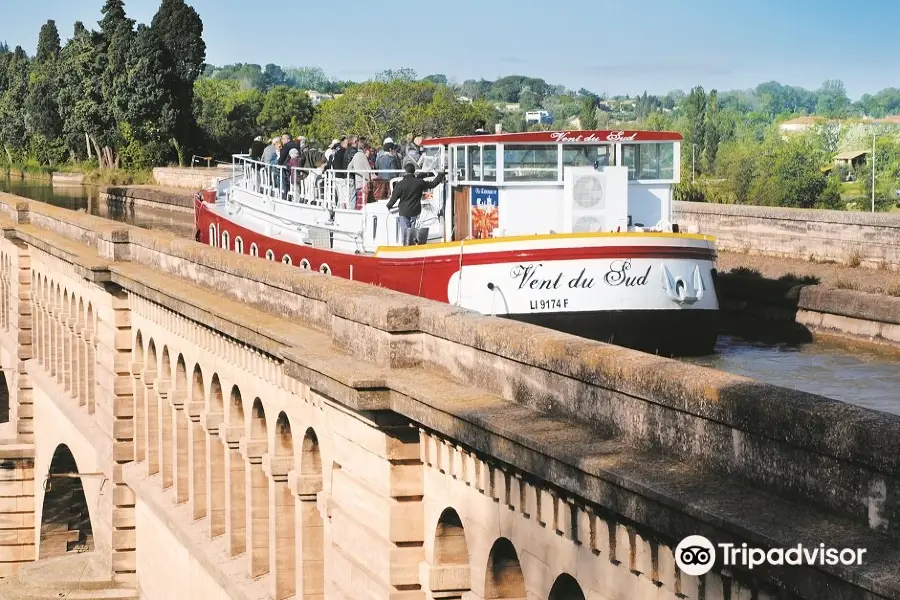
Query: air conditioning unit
{"type": "Point", "coordinates": [595, 201]}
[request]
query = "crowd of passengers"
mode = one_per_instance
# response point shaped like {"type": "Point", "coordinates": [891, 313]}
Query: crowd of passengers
{"type": "Point", "coordinates": [367, 172]}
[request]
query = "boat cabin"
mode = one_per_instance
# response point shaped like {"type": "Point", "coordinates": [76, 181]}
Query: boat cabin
{"type": "Point", "coordinates": [505, 184]}
{"type": "Point", "coordinates": [557, 182]}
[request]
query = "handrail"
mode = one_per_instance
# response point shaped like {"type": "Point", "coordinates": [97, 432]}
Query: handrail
{"type": "Point", "coordinates": [333, 189]}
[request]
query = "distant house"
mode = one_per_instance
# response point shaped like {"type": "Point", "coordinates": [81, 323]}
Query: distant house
{"type": "Point", "coordinates": [852, 158]}
{"type": "Point", "coordinates": [891, 120]}
{"type": "Point", "coordinates": [318, 98]}
{"type": "Point", "coordinates": [464, 99]}
{"type": "Point", "coordinates": [534, 117]}
{"type": "Point", "coordinates": [800, 124]}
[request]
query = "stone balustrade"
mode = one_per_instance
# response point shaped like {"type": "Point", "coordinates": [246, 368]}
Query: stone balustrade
{"type": "Point", "coordinates": [262, 431]}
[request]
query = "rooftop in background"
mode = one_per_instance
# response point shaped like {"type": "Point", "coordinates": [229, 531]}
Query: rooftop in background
{"type": "Point", "coordinates": [851, 154]}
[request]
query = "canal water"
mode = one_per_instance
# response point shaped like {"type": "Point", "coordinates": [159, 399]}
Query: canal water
{"type": "Point", "coordinates": [87, 199]}
{"type": "Point", "coordinates": [860, 377]}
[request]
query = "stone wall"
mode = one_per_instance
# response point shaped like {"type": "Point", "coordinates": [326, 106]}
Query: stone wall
{"type": "Point", "coordinates": [752, 302]}
{"type": "Point", "coordinates": [845, 237]}
{"type": "Point", "coordinates": [150, 197]}
{"type": "Point", "coordinates": [194, 179]}
{"type": "Point", "coordinates": [576, 451]}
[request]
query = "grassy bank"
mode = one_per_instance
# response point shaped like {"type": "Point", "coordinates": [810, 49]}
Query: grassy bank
{"type": "Point", "coordinates": [92, 174]}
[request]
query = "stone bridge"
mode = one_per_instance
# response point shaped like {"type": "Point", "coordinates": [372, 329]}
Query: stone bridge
{"type": "Point", "coordinates": [184, 422]}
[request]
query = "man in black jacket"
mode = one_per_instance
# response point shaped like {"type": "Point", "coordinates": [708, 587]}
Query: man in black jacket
{"type": "Point", "coordinates": [408, 195]}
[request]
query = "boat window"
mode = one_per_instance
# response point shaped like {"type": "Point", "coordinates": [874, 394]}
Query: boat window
{"type": "Point", "coordinates": [213, 236]}
{"type": "Point", "coordinates": [270, 255]}
{"type": "Point", "coordinates": [649, 161]}
{"type": "Point", "coordinates": [489, 163]}
{"type": "Point", "coordinates": [254, 250]}
{"type": "Point", "coordinates": [473, 173]}
{"type": "Point", "coordinates": [531, 163]}
{"type": "Point", "coordinates": [226, 242]}
{"type": "Point", "coordinates": [239, 245]}
{"type": "Point", "coordinates": [286, 259]}
{"type": "Point", "coordinates": [586, 156]}
{"type": "Point", "coordinates": [459, 163]}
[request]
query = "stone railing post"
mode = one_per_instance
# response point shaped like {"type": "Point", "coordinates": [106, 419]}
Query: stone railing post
{"type": "Point", "coordinates": [282, 535]}
{"type": "Point", "coordinates": [180, 450]}
{"type": "Point", "coordinates": [215, 472]}
{"type": "Point", "coordinates": [235, 499]}
{"type": "Point", "coordinates": [196, 459]}
{"type": "Point", "coordinates": [310, 535]}
{"type": "Point", "coordinates": [164, 431]}
{"type": "Point", "coordinates": [257, 486]}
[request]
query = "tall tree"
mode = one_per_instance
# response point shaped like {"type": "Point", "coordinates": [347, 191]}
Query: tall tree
{"type": "Point", "coordinates": [12, 112]}
{"type": "Point", "coordinates": [282, 106]}
{"type": "Point", "coordinates": [80, 96]}
{"type": "Point", "coordinates": [694, 108]}
{"type": "Point", "coordinates": [43, 123]}
{"type": "Point", "coordinates": [117, 35]}
{"type": "Point", "coordinates": [146, 104]}
{"type": "Point", "coordinates": [833, 100]}
{"type": "Point", "coordinates": [712, 134]}
{"type": "Point", "coordinates": [588, 113]}
{"type": "Point", "coordinates": [48, 46]}
{"type": "Point", "coordinates": [180, 29]}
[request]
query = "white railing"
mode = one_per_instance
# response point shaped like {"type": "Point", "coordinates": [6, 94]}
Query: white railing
{"type": "Point", "coordinates": [343, 189]}
{"type": "Point", "coordinates": [302, 199]}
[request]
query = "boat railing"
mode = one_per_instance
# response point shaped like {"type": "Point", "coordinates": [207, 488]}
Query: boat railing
{"type": "Point", "coordinates": [333, 189]}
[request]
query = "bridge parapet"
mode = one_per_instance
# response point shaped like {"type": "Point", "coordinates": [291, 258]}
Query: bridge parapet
{"type": "Point", "coordinates": [330, 437]}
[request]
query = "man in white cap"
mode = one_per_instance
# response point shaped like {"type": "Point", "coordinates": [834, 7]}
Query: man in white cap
{"type": "Point", "coordinates": [257, 148]}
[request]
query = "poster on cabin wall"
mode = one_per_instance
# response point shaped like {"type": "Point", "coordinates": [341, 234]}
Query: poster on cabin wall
{"type": "Point", "coordinates": [485, 211]}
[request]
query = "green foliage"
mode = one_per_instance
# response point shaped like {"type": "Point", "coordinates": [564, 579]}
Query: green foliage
{"type": "Point", "coordinates": [226, 115]}
{"type": "Point", "coordinates": [282, 106]}
{"type": "Point", "coordinates": [379, 109]}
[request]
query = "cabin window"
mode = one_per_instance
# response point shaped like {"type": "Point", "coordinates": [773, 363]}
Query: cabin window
{"type": "Point", "coordinates": [649, 161]}
{"type": "Point", "coordinates": [270, 255]}
{"type": "Point", "coordinates": [286, 259]}
{"type": "Point", "coordinates": [226, 242]}
{"type": "Point", "coordinates": [213, 236]}
{"type": "Point", "coordinates": [239, 245]}
{"type": "Point", "coordinates": [586, 156]}
{"type": "Point", "coordinates": [459, 163]}
{"type": "Point", "coordinates": [254, 250]}
{"type": "Point", "coordinates": [531, 163]}
{"type": "Point", "coordinates": [489, 163]}
{"type": "Point", "coordinates": [473, 171]}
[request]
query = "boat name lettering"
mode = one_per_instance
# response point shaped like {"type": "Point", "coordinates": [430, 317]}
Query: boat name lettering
{"type": "Point", "coordinates": [527, 277]}
{"type": "Point", "coordinates": [568, 137]}
{"type": "Point", "coordinates": [619, 136]}
{"type": "Point", "coordinates": [618, 275]}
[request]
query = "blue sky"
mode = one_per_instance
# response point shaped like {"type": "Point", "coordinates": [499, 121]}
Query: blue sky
{"type": "Point", "coordinates": [613, 46]}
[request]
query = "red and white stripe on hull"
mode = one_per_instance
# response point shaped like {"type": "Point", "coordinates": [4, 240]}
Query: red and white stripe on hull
{"type": "Point", "coordinates": [517, 274]}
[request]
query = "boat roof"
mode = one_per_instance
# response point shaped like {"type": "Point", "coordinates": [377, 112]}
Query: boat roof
{"type": "Point", "coordinates": [559, 137]}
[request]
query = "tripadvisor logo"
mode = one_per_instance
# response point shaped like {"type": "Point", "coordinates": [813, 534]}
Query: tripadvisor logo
{"type": "Point", "coordinates": [696, 555]}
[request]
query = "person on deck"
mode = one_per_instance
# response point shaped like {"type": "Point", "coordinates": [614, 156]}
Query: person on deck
{"type": "Point", "coordinates": [408, 196]}
{"type": "Point", "coordinates": [257, 148]}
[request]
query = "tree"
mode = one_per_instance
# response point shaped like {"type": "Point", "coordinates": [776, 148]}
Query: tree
{"type": "Point", "coordinates": [273, 75]}
{"type": "Point", "coordinates": [43, 122]}
{"type": "Point", "coordinates": [390, 75]}
{"type": "Point", "coordinates": [712, 134]}
{"type": "Point", "coordinates": [588, 113]}
{"type": "Point", "coordinates": [281, 106]}
{"type": "Point", "coordinates": [12, 113]}
{"type": "Point", "coordinates": [180, 30]}
{"type": "Point", "coordinates": [226, 115]}
{"type": "Point", "coordinates": [48, 43]}
{"type": "Point", "coordinates": [833, 101]}
{"type": "Point", "coordinates": [694, 110]}
{"type": "Point", "coordinates": [147, 105]}
{"type": "Point", "coordinates": [379, 109]}
{"type": "Point", "coordinates": [117, 34]}
{"type": "Point", "coordinates": [438, 79]}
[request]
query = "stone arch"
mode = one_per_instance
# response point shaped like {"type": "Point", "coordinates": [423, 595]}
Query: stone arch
{"type": "Point", "coordinates": [140, 414]}
{"type": "Point", "coordinates": [282, 539]}
{"type": "Point", "coordinates": [196, 450]}
{"type": "Point", "coordinates": [165, 365]}
{"type": "Point", "coordinates": [151, 407]}
{"type": "Point", "coordinates": [451, 557]}
{"type": "Point", "coordinates": [215, 457]}
{"type": "Point", "coordinates": [65, 517]}
{"type": "Point", "coordinates": [235, 506]}
{"type": "Point", "coordinates": [90, 344]}
{"type": "Point", "coordinates": [566, 588]}
{"type": "Point", "coordinates": [179, 424]}
{"type": "Point", "coordinates": [311, 539]}
{"type": "Point", "coordinates": [257, 491]}
{"type": "Point", "coordinates": [503, 577]}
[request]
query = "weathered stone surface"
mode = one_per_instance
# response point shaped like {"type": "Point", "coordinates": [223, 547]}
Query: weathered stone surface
{"type": "Point", "coordinates": [342, 414]}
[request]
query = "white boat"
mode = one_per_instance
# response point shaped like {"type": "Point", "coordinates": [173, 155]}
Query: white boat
{"type": "Point", "coordinates": [567, 229]}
